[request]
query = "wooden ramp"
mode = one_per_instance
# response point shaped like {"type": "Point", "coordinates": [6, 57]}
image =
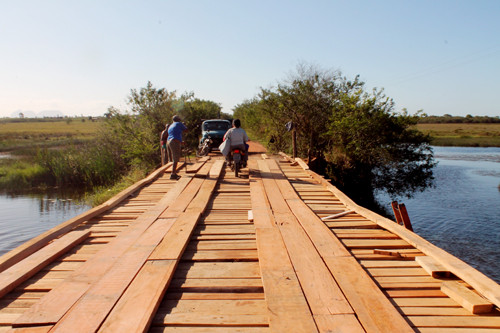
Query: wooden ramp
{"type": "Point", "coordinates": [277, 250]}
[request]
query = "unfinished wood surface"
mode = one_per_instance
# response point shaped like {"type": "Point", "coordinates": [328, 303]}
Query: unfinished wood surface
{"type": "Point", "coordinates": [23, 270]}
{"type": "Point", "coordinates": [466, 297]}
{"type": "Point", "coordinates": [134, 310]}
{"type": "Point", "coordinates": [87, 314]}
{"type": "Point", "coordinates": [224, 272]}
{"type": "Point", "coordinates": [486, 286]}
{"type": "Point", "coordinates": [322, 292]}
{"type": "Point", "coordinates": [432, 267]}
{"type": "Point", "coordinates": [288, 309]}
{"type": "Point", "coordinates": [24, 250]}
{"type": "Point", "coordinates": [373, 309]}
{"type": "Point", "coordinates": [54, 305]}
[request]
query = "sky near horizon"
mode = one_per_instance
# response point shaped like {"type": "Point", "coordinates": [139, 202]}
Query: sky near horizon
{"type": "Point", "coordinates": [81, 57]}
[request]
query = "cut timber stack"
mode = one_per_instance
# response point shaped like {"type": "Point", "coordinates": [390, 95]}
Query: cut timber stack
{"type": "Point", "coordinates": [277, 250]}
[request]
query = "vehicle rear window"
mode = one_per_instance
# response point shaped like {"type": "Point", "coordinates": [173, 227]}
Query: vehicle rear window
{"type": "Point", "coordinates": [216, 126]}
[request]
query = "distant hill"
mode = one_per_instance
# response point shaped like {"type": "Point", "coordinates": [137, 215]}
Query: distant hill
{"type": "Point", "coordinates": [50, 113]}
{"type": "Point", "coordinates": [42, 114]}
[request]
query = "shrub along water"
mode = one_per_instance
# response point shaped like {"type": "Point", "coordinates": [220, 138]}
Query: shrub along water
{"type": "Point", "coordinates": [125, 148]}
{"type": "Point", "coordinates": [354, 137]}
{"type": "Point", "coordinates": [18, 174]}
{"type": "Point", "coordinates": [87, 165]}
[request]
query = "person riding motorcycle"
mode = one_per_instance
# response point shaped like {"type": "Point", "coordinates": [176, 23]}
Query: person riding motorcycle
{"type": "Point", "coordinates": [238, 139]}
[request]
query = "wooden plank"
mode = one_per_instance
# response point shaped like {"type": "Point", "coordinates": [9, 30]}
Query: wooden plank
{"type": "Point", "coordinates": [135, 310]}
{"type": "Point", "coordinates": [434, 311]}
{"type": "Point", "coordinates": [200, 202]}
{"type": "Point", "coordinates": [457, 330]}
{"type": "Point", "coordinates": [426, 302]}
{"type": "Point", "coordinates": [200, 295]}
{"type": "Point", "coordinates": [229, 270]}
{"type": "Point", "coordinates": [173, 245]}
{"type": "Point", "coordinates": [339, 323]}
{"type": "Point", "coordinates": [193, 168]}
{"type": "Point", "coordinates": [467, 298]}
{"type": "Point", "coordinates": [288, 309]}
{"type": "Point", "coordinates": [212, 255]}
{"type": "Point", "coordinates": [432, 267]}
{"type": "Point", "coordinates": [302, 163]}
{"type": "Point", "coordinates": [321, 291]}
{"type": "Point", "coordinates": [216, 285]}
{"type": "Point", "coordinates": [222, 320]}
{"type": "Point", "coordinates": [415, 293]}
{"type": "Point", "coordinates": [40, 241]}
{"type": "Point", "coordinates": [183, 200]}
{"type": "Point", "coordinates": [337, 215]}
{"type": "Point", "coordinates": [36, 329]}
{"type": "Point", "coordinates": [54, 305]}
{"type": "Point", "coordinates": [208, 329]}
{"type": "Point", "coordinates": [213, 307]}
{"type": "Point", "coordinates": [412, 272]}
{"type": "Point", "coordinates": [222, 245]}
{"type": "Point", "coordinates": [260, 205]}
{"type": "Point", "coordinates": [455, 321]}
{"type": "Point", "coordinates": [92, 308]}
{"type": "Point", "coordinates": [324, 240]}
{"type": "Point", "coordinates": [483, 284]}
{"type": "Point", "coordinates": [374, 310]}
{"type": "Point", "coordinates": [376, 243]}
{"type": "Point", "coordinates": [23, 270]}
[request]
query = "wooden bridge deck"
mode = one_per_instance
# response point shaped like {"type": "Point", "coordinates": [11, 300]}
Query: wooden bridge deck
{"type": "Point", "coordinates": [215, 253]}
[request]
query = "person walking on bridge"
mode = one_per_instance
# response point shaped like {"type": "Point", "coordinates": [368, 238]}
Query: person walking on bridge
{"type": "Point", "coordinates": [166, 155]}
{"type": "Point", "coordinates": [174, 142]}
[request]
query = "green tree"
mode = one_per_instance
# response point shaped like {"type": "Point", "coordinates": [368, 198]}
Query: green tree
{"type": "Point", "coordinates": [354, 137]}
{"type": "Point", "coordinates": [193, 113]}
{"type": "Point", "coordinates": [372, 146]}
{"type": "Point", "coordinates": [135, 132]}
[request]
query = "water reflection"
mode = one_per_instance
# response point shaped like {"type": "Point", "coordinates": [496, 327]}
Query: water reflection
{"type": "Point", "coordinates": [24, 216]}
{"type": "Point", "coordinates": [462, 213]}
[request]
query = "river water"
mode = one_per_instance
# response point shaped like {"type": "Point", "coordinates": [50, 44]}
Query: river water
{"type": "Point", "coordinates": [461, 214]}
{"type": "Point", "coordinates": [23, 217]}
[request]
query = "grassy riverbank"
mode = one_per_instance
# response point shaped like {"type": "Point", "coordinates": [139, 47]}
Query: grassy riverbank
{"type": "Point", "coordinates": [463, 134]}
{"type": "Point", "coordinates": [32, 165]}
{"type": "Point", "coordinates": [18, 135]}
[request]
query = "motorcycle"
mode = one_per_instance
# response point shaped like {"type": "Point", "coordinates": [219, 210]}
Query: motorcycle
{"type": "Point", "coordinates": [237, 161]}
{"type": "Point", "coordinates": [205, 147]}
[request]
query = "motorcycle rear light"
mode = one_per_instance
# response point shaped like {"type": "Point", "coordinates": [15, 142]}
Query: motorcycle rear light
{"type": "Point", "coordinates": [236, 151]}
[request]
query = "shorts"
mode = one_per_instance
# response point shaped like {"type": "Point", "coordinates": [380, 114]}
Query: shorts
{"type": "Point", "coordinates": [175, 148]}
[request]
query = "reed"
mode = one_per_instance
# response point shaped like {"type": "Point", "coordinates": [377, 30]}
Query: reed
{"type": "Point", "coordinates": [21, 174]}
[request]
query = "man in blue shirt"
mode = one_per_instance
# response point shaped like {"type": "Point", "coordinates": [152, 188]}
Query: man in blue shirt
{"type": "Point", "coordinates": [174, 142]}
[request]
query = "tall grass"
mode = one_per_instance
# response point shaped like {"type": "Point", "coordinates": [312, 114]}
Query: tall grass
{"type": "Point", "coordinates": [86, 165]}
{"type": "Point", "coordinates": [20, 174]}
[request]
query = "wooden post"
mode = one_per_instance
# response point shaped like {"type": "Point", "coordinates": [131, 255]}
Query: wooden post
{"type": "Point", "coordinates": [294, 143]}
{"type": "Point", "coordinates": [405, 217]}
{"type": "Point", "coordinates": [397, 213]}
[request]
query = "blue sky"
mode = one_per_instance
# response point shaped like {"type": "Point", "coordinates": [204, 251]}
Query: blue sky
{"type": "Point", "coordinates": [80, 57]}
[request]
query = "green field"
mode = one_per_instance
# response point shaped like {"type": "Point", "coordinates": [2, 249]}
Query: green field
{"type": "Point", "coordinates": [29, 134]}
{"type": "Point", "coordinates": [463, 134]}
{"type": "Point", "coordinates": [26, 134]}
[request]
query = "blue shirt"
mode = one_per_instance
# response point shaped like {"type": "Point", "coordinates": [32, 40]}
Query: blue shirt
{"type": "Point", "coordinates": [175, 131]}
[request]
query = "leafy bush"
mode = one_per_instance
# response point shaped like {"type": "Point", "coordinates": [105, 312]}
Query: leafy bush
{"type": "Point", "coordinates": [354, 137]}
